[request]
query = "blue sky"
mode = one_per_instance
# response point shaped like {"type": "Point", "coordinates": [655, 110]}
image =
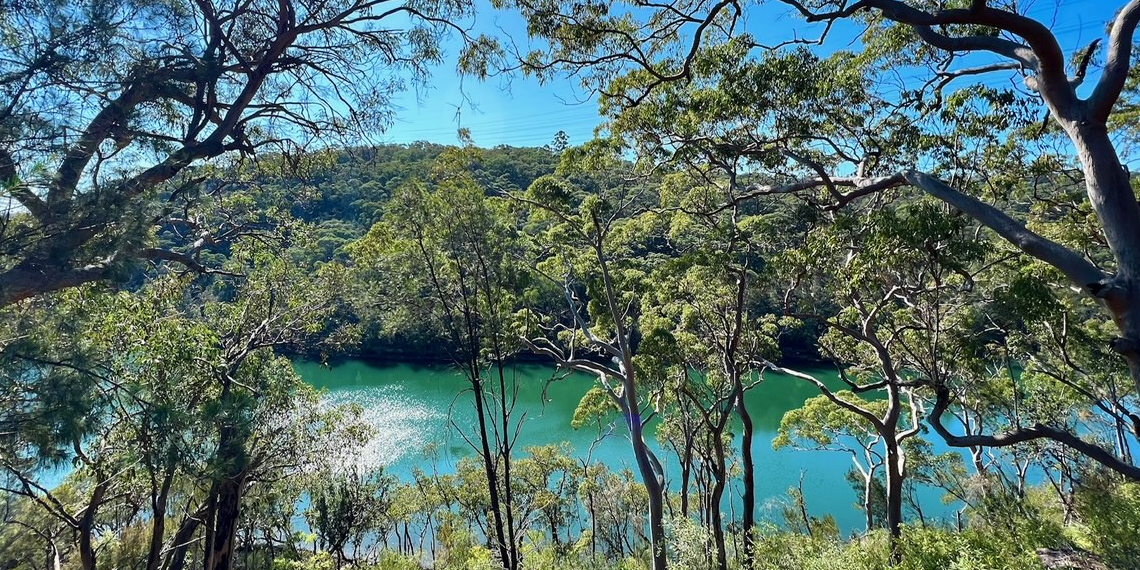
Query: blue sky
{"type": "Point", "coordinates": [518, 111]}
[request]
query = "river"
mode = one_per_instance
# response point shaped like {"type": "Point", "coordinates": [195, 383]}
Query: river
{"type": "Point", "coordinates": [409, 406]}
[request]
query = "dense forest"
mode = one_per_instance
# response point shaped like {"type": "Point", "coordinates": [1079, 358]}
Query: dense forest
{"type": "Point", "coordinates": [190, 211]}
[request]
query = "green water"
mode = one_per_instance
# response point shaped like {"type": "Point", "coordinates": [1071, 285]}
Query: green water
{"type": "Point", "coordinates": [412, 408]}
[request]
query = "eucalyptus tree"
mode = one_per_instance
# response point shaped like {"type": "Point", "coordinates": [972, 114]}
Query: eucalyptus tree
{"type": "Point", "coordinates": [1027, 354]}
{"type": "Point", "coordinates": [896, 274]}
{"type": "Point", "coordinates": [984, 151]}
{"type": "Point", "coordinates": [710, 313]}
{"type": "Point", "coordinates": [595, 243]}
{"type": "Point", "coordinates": [445, 256]}
{"type": "Point", "coordinates": [546, 489]}
{"type": "Point", "coordinates": [350, 506]}
{"type": "Point", "coordinates": [821, 425]}
{"type": "Point", "coordinates": [110, 104]}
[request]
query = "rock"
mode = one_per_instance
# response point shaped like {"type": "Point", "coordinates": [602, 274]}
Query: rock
{"type": "Point", "coordinates": [1070, 559]}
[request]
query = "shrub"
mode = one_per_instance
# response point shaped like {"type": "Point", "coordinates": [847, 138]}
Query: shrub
{"type": "Point", "coordinates": [1111, 512]}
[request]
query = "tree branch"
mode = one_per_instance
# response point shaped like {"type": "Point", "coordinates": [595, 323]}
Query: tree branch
{"type": "Point", "coordinates": [1043, 55]}
{"type": "Point", "coordinates": [1079, 270]}
{"type": "Point", "coordinates": [863, 413]}
{"type": "Point", "coordinates": [1021, 435]}
{"type": "Point", "coordinates": [1111, 83]}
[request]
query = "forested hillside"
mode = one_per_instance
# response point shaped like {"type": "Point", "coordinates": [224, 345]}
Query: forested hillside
{"type": "Point", "coordinates": [929, 222]}
{"type": "Point", "coordinates": [340, 194]}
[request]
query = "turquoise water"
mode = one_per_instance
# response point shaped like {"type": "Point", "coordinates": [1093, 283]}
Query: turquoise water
{"type": "Point", "coordinates": [415, 410]}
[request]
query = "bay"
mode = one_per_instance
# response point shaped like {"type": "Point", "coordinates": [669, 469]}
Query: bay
{"type": "Point", "coordinates": [418, 411]}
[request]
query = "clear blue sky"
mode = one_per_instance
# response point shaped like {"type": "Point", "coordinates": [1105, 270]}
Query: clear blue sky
{"type": "Point", "coordinates": [518, 111]}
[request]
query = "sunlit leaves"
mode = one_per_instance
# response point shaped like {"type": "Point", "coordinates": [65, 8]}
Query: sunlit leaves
{"type": "Point", "coordinates": [820, 424]}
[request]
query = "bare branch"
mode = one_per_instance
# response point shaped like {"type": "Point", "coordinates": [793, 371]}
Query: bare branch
{"type": "Point", "coordinates": [1111, 83]}
{"type": "Point", "coordinates": [853, 408]}
{"type": "Point", "coordinates": [1042, 54]}
{"type": "Point", "coordinates": [1021, 435]}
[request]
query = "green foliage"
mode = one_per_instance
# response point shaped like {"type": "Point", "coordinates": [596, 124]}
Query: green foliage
{"type": "Point", "coordinates": [349, 507]}
{"type": "Point", "coordinates": [442, 264]}
{"type": "Point", "coordinates": [929, 549]}
{"type": "Point", "coordinates": [1028, 522]}
{"type": "Point", "coordinates": [820, 423]}
{"type": "Point", "coordinates": [926, 548]}
{"type": "Point", "coordinates": [1110, 509]}
{"type": "Point", "coordinates": [595, 407]}
{"type": "Point", "coordinates": [799, 521]}
{"type": "Point", "coordinates": [776, 550]}
{"type": "Point", "coordinates": [319, 561]}
{"type": "Point", "coordinates": [680, 255]}
{"type": "Point", "coordinates": [152, 112]}
{"type": "Point", "coordinates": [689, 544]}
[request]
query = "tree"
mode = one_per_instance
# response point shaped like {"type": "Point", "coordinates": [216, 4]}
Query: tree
{"type": "Point", "coordinates": [708, 304]}
{"type": "Point", "coordinates": [181, 400]}
{"type": "Point", "coordinates": [973, 148]}
{"type": "Point", "coordinates": [446, 256]}
{"type": "Point", "coordinates": [103, 121]}
{"type": "Point", "coordinates": [591, 239]}
{"type": "Point", "coordinates": [822, 425]}
{"type": "Point", "coordinates": [348, 507]}
{"type": "Point", "coordinates": [897, 274]}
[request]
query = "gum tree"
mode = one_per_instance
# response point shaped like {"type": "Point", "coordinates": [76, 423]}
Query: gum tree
{"type": "Point", "coordinates": [110, 107]}
{"type": "Point", "coordinates": [444, 256]}
{"type": "Point", "coordinates": [594, 238]}
{"type": "Point", "coordinates": [896, 275]}
{"type": "Point", "coordinates": [707, 310]}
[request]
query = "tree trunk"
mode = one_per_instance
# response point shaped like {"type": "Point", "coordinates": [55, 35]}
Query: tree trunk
{"type": "Point", "coordinates": [868, 494]}
{"type": "Point", "coordinates": [649, 477]}
{"type": "Point", "coordinates": [895, 475]}
{"type": "Point", "coordinates": [226, 496]}
{"type": "Point", "coordinates": [715, 498]}
{"type": "Point", "coordinates": [686, 474]}
{"type": "Point", "coordinates": [505, 454]}
{"type": "Point", "coordinates": [506, 559]}
{"type": "Point", "coordinates": [87, 525]}
{"type": "Point", "coordinates": [220, 555]}
{"type": "Point", "coordinates": [158, 520]}
{"type": "Point", "coordinates": [749, 495]}
{"type": "Point", "coordinates": [176, 555]}
{"type": "Point", "coordinates": [1112, 198]}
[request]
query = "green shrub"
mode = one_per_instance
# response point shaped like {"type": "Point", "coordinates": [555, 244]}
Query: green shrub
{"type": "Point", "coordinates": [1111, 512]}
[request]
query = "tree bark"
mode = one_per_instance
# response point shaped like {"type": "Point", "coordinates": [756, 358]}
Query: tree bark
{"type": "Point", "coordinates": [227, 509]}
{"type": "Point", "coordinates": [226, 496]}
{"type": "Point", "coordinates": [868, 503]}
{"type": "Point", "coordinates": [158, 521]}
{"type": "Point", "coordinates": [686, 475]}
{"type": "Point", "coordinates": [87, 525]}
{"type": "Point", "coordinates": [176, 556]}
{"type": "Point", "coordinates": [715, 498]}
{"type": "Point", "coordinates": [896, 472]}
{"type": "Point", "coordinates": [505, 455]}
{"type": "Point", "coordinates": [506, 559]}
{"type": "Point", "coordinates": [1110, 193]}
{"type": "Point", "coordinates": [650, 476]}
{"type": "Point", "coordinates": [748, 522]}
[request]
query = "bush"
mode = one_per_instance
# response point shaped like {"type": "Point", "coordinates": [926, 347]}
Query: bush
{"type": "Point", "coordinates": [1111, 512]}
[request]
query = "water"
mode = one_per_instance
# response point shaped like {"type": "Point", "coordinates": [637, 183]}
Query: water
{"type": "Point", "coordinates": [416, 410]}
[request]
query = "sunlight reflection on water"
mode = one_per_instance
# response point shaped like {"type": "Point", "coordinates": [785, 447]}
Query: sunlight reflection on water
{"type": "Point", "coordinates": [403, 426]}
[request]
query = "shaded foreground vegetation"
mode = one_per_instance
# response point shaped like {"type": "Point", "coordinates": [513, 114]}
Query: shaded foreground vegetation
{"type": "Point", "coordinates": [971, 270]}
